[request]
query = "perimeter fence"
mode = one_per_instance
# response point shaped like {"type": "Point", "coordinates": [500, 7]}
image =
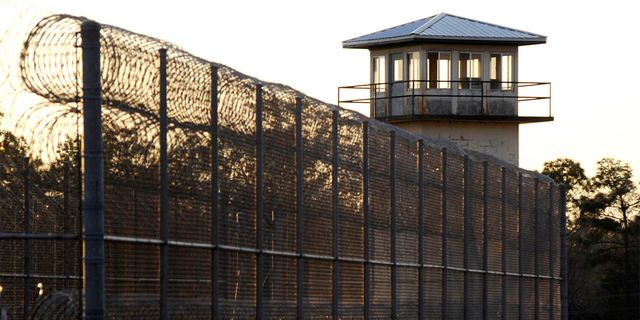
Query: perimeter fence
{"type": "Point", "coordinates": [210, 194]}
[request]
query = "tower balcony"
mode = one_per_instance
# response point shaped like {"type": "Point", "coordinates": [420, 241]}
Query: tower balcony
{"type": "Point", "coordinates": [455, 100]}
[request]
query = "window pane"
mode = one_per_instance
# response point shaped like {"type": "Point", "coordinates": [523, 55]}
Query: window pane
{"type": "Point", "coordinates": [397, 70]}
{"type": "Point", "coordinates": [476, 69]}
{"type": "Point", "coordinates": [507, 71]}
{"type": "Point", "coordinates": [432, 69]}
{"type": "Point", "coordinates": [379, 73]}
{"type": "Point", "coordinates": [463, 70]}
{"type": "Point", "coordinates": [495, 71]}
{"type": "Point", "coordinates": [495, 67]}
{"type": "Point", "coordinates": [413, 59]}
{"type": "Point", "coordinates": [444, 70]}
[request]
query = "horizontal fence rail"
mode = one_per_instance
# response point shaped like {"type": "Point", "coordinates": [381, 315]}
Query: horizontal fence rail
{"type": "Point", "coordinates": [271, 205]}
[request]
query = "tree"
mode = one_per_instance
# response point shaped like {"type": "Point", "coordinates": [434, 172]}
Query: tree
{"type": "Point", "coordinates": [571, 173]}
{"type": "Point", "coordinates": [603, 223]}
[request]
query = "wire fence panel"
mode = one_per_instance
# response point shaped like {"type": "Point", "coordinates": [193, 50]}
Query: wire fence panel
{"type": "Point", "coordinates": [260, 202]}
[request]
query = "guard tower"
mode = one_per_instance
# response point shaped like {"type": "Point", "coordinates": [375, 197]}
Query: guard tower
{"type": "Point", "coordinates": [455, 78]}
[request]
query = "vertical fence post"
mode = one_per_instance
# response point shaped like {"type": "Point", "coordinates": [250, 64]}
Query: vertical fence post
{"type": "Point", "coordinates": [215, 197]}
{"type": "Point", "coordinates": [93, 207]}
{"type": "Point", "coordinates": [164, 191]}
{"type": "Point", "coordinates": [421, 310]}
{"type": "Point", "coordinates": [66, 223]}
{"type": "Point", "coordinates": [299, 209]}
{"type": "Point", "coordinates": [444, 233]}
{"type": "Point", "coordinates": [334, 183]}
{"type": "Point", "coordinates": [564, 284]}
{"type": "Point", "coordinates": [259, 203]}
{"type": "Point", "coordinates": [392, 195]}
{"type": "Point", "coordinates": [552, 280]}
{"type": "Point", "coordinates": [503, 198]}
{"type": "Point", "coordinates": [465, 252]}
{"type": "Point", "coordinates": [536, 250]}
{"type": "Point", "coordinates": [365, 209]}
{"type": "Point", "coordinates": [520, 247]}
{"type": "Point", "coordinates": [27, 244]}
{"type": "Point", "coordinates": [485, 236]}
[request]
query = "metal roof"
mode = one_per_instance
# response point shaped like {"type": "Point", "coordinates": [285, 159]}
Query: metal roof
{"type": "Point", "coordinates": [445, 27]}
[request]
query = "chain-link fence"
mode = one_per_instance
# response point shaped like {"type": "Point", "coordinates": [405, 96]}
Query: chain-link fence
{"type": "Point", "coordinates": [218, 195]}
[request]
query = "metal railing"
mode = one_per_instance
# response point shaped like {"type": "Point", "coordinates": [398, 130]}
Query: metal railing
{"type": "Point", "coordinates": [419, 92]}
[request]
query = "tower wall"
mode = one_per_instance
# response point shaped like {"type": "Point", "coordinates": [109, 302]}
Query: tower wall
{"type": "Point", "coordinates": [499, 139]}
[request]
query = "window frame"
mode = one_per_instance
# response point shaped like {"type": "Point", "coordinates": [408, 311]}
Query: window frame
{"type": "Point", "coordinates": [438, 82]}
{"type": "Point", "coordinates": [497, 72]}
{"type": "Point", "coordinates": [413, 71]}
{"type": "Point", "coordinates": [473, 81]}
{"type": "Point", "coordinates": [379, 70]}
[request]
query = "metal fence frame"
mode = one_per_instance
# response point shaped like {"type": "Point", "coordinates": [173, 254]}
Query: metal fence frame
{"type": "Point", "coordinates": [94, 237]}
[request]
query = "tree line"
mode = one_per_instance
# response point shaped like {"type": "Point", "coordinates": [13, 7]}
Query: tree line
{"type": "Point", "coordinates": [603, 238]}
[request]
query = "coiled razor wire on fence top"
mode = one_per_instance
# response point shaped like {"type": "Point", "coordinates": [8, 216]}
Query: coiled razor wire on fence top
{"type": "Point", "coordinates": [50, 67]}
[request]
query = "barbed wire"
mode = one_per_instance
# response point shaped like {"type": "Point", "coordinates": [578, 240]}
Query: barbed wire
{"type": "Point", "coordinates": [50, 68]}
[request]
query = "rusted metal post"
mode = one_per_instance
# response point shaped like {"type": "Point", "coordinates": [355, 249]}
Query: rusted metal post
{"type": "Point", "coordinates": [421, 311]}
{"type": "Point", "coordinates": [536, 251]}
{"type": "Point", "coordinates": [215, 197]}
{"type": "Point", "coordinates": [365, 209]}
{"type": "Point", "coordinates": [93, 207]}
{"type": "Point", "coordinates": [299, 210]}
{"type": "Point", "coordinates": [27, 244]}
{"type": "Point", "coordinates": [164, 191]}
{"type": "Point", "coordinates": [552, 252]}
{"type": "Point", "coordinates": [503, 198]}
{"type": "Point", "coordinates": [564, 284]}
{"type": "Point", "coordinates": [66, 223]}
{"type": "Point", "coordinates": [335, 305]}
{"type": "Point", "coordinates": [444, 233]}
{"type": "Point", "coordinates": [520, 246]}
{"type": "Point", "coordinates": [485, 243]}
{"type": "Point", "coordinates": [259, 204]}
{"type": "Point", "coordinates": [465, 252]}
{"type": "Point", "coordinates": [392, 196]}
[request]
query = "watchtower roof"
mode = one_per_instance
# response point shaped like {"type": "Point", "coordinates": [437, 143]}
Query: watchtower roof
{"type": "Point", "coordinates": [446, 28]}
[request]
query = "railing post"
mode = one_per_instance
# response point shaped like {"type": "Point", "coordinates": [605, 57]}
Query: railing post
{"type": "Point", "coordinates": [215, 197]}
{"type": "Point", "coordinates": [335, 192]}
{"type": "Point", "coordinates": [164, 191]}
{"type": "Point", "coordinates": [392, 194]}
{"type": "Point", "coordinates": [564, 285]}
{"type": "Point", "coordinates": [259, 203]}
{"type": "Point", "coordinates": [27, 244]}
{"type": "Point", "coordinates": [421, 311]}
{"type": "Point", "coordinates": [444, 233]}
{"type": "Point", "coordinates": [93, 172]}
{"type": "Point", "coordinates": [365, 209]}
{"type": "Point", "coordinates": [299, 210]}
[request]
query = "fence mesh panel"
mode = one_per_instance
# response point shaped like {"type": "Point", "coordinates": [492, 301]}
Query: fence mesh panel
{"type": "Point", "coordinates": [256, 208]}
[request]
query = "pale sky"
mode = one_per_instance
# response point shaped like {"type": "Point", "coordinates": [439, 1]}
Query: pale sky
{"type": "Point", "coordinates": [590, 55]}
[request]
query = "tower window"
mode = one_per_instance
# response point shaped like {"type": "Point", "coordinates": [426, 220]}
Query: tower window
{"type": "Point", "coordinates": [439, 70]}
{"type": "Point", "coordinates": [501, 71]}
{"type": "Point", "coordinates": [379, 74]}
{"type": "Point", "coordinates": [413, 66]}
{"type": "Point", "coordinates": [470, 67]}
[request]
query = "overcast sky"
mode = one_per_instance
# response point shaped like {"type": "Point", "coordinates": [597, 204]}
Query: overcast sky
{"type": "Point", "coordinates": [590, 55]}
